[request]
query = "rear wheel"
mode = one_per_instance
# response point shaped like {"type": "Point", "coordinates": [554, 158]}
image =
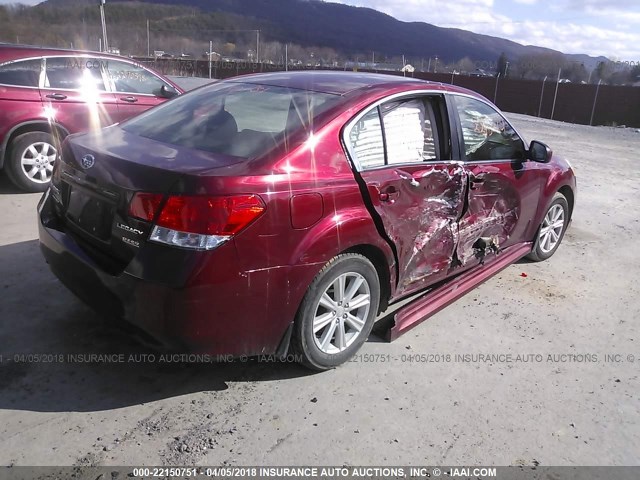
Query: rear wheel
{"type": "Point", "coordinates": [337, 313]}
{"type": "Point", "coordinates": [31, 159]}
{"type": "Point", "coordinates": [551, 231]}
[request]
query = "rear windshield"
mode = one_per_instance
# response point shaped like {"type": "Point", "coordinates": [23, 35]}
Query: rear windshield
{"type": "Point", "coordinates": [239, 119]}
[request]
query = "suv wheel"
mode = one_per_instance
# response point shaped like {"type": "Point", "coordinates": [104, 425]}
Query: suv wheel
{"type": "Point", "coordinates": [31, 159]}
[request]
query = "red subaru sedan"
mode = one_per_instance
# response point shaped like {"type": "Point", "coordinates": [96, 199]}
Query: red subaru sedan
{"type": "Point", "coordinates": [283, 212]}
{"type": "Point", "coordinates": [46, 94]}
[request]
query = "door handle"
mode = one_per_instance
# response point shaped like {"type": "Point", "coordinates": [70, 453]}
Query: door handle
{"type": "Point", "coordinates": [57, 96]}
{"type": "Point", "coordinates": [389, 194]}
{"type": "Point", "coordinates": [129, 99]}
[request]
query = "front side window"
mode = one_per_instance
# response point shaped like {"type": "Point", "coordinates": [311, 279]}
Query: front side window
{"type": "Point", "coordinates": [238, 119]}
{"type": "Point", "coordinates": [130, 78]}
{"type": "Point", "coordinates": [71, 73]}
{"type": "Point", "coordinates": [24, 73]}
{"type": "Point", "coordinates": [486, 134]}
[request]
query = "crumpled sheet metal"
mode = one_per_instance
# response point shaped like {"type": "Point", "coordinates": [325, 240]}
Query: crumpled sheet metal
{"type": "Point", "coordinates": [492, 212]}
{"type": "Point", "coordinates": [443, 229]}
{"type": "Point", "coordinates": [425, 234]}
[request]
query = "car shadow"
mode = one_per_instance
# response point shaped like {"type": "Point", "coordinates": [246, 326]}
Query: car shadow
{"type": "Point", "coordinates": [57, 355]}
{"type": "Point", "coordinates": [6, 187]}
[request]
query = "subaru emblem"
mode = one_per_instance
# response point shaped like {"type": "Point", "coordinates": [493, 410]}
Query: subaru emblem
{"type": "Point", "coordinates": [88, 161]}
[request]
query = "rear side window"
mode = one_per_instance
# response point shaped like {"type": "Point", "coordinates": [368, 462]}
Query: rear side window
{"type": "Point", "coordinates": [24, 73]}
{"type": "Point", "coordinates": [243, 120]}
{"type": "Point", "coordinates": [407, 134]}
{"type": "Point", "coordinates": [74, 73]}
{"type": "Point", "coordinates": [409, 131]}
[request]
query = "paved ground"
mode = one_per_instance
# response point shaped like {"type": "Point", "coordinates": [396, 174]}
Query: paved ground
{"type": "Point", "coordinates": [552, 410]}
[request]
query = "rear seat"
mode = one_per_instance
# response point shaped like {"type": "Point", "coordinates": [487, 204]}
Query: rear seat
{"type": "Point", "coordinates": [247, 142]}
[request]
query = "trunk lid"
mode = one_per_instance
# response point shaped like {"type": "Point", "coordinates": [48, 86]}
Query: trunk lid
{"type": "Point", "coordinates": [97, 176]}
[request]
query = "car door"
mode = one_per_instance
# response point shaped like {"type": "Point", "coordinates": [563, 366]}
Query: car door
{"type": "Point", "coordinates": [402, 152]}
{"type": "Point", "coordinates": [74, 93]}
{"type": "Point", "coordinates": [503, 187]}
{"type": "Point", "coordinates": [136, 89]}
{"type": "Point", "coordinates": [19, 95]}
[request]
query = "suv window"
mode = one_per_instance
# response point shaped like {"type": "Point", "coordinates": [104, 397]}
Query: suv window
{"type": "Point", "coordinates": [130, 78]}
{"type": "Point", "coordinates": [486, 134]}
{"type": "Point", "coordinates": [410, 134]}
{"type": "Point", "coordinates": [25, 73]}
{"type": "Point", "coordinates": [73, 73]}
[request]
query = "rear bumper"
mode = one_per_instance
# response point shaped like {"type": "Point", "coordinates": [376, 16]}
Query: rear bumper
{"type": "Point", "coordinates": [207, 306]}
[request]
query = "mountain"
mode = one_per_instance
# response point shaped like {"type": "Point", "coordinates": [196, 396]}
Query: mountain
{"type": "Point", "coordinates": [359, 30]}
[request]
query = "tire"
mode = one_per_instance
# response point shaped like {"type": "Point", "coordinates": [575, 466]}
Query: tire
{"type": "Point", "coordinates": [548, 239]}
{"type": "Point", "coordinates": [31, 159]}
{"type": "Point", "coordinates": [327, 348]}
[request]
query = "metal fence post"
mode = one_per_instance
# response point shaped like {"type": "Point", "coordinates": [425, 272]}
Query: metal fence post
{"type": "Point", "coordinates": [555, 97]}
{"type": "Point", "coordinates": [593, 110]}
{"type": "Point", "coordinates": [541, 97]}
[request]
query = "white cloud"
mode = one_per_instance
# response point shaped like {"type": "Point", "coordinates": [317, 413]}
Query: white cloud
{"type": "Point", "coordinates": [595, 27]}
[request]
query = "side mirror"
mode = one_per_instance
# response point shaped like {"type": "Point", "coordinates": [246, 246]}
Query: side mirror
{"type": "Point", "coordinates": [539, 152]}
{"type": "Point", "coordinates": [167, 91]}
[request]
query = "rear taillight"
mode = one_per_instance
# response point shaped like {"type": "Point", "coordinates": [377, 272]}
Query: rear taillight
{"type": "Point", "coordinates": [145, 205]}
{"type": "Point", "coordinates": [198, 222]}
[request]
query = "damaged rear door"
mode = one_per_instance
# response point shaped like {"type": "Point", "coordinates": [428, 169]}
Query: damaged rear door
{"type": "Point", "coordinates": [402, 152]}
{"type": "Point", "coordinates": [503, 188]}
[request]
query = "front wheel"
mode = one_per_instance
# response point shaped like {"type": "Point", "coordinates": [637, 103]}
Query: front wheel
{"type": "Point", "coordinates": [552, 229]}
{"type": "Point", "coordinates": [31, 159]}
{"type": "Point", "coordinates": [337, 313]}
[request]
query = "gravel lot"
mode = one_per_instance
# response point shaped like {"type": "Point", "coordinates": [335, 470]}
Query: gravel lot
{"type": "Point", "coordinates": [550, 410]}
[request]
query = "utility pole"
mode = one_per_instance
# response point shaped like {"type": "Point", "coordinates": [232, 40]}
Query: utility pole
{"type": "Point", "coordinates": [104, 27]}
{"type": "Point", "coordinates": [210, 53]}
{"type": "Point", "coordinates": [257, 46]}
{"type": "Point", "coordinates": [429, 66]}
{"type": "Point", "coordinates": [148, 41]}
{"type": "Point", "coordinates": [286, 57]}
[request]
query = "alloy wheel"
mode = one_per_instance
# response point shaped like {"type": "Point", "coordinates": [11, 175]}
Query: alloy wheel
{"type": "Point", "coordinates": [551, 230]}
{"type": "Point", "coordinates": [341, 313]}
{"type": "Point", "coordinates": [37, 161]}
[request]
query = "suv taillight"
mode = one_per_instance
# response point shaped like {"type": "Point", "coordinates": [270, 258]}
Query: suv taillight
{"type": "Point", "coordinates": [197, 222]}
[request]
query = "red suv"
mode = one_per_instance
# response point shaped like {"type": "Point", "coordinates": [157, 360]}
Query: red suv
{"type": "Point", "coordinates": [46, 94]}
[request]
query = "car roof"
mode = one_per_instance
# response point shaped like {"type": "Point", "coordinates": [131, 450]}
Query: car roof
{"type": "Point", "coordinates": [345, 83]}
{"type": "Point", "coordinates": [10, 51]}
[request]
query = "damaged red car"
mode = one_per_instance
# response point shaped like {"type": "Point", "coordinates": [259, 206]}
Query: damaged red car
{"type": "Point", "coordinates": [281, 213]}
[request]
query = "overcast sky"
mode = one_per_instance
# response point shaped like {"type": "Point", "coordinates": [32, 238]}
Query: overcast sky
{"type": "Point", "coordinates": [595, 27]}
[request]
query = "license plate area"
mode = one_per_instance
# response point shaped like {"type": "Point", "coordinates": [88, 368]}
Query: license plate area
{"type": "Point", "coordinates": [90, 213]}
